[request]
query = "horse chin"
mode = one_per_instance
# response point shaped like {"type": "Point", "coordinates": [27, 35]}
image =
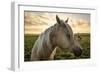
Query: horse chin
{"type": "Point", "coordinates": [77, 51]}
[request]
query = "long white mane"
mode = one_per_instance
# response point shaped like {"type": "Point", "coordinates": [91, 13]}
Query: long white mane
{"type": "Point", "coordinates": [43, 47]}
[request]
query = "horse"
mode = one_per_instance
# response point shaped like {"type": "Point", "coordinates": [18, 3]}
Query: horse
{"type": "Point", "coordinates": [58, 35]}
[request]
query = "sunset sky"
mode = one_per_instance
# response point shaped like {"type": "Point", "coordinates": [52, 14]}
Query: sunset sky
{"type": "Point", "coordinates": [37, 22]}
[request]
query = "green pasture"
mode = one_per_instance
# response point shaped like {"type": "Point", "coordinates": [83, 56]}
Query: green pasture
{"type": "Point", "coordinates": [29, 41]}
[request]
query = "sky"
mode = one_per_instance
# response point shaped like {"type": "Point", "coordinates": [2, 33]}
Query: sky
{"type": "Point", "coordinates": [38, 22]}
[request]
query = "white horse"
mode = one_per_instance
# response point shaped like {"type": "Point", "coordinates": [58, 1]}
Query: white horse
{"type": "Point", "coordinates": [59, 35]}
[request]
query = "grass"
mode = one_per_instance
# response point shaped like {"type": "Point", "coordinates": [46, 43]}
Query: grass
{"type": "Point", "coordinates": [29, 41]}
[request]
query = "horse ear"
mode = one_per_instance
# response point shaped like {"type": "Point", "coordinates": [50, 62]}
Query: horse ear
{"type": "Point", "coordinates": [57, 19]}
{"type": "Point", "coordinates": [67, 20]}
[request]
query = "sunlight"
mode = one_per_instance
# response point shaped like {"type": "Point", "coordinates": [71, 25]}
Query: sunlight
{"type": "Point", "coordinates": [37, 22]}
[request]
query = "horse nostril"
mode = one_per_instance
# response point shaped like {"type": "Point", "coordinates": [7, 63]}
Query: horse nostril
{"type": "Point", "coordinates": [77, 51]}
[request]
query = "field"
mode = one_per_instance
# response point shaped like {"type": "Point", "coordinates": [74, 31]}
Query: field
{"type": "Point", "coordinates": [29, 41]}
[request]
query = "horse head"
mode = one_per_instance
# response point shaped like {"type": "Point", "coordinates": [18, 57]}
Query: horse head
{"type": "Point", "coordinates": [63, 37]}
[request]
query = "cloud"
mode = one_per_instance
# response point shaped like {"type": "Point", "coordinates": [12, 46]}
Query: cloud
{"type": "Point", "coordinates": [80, 26]}
{"type": "Point", "coordinates": [37, 22]}
{"type": "Point", "coordinates": [35, 18]}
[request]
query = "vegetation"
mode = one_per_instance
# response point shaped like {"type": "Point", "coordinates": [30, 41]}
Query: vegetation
{"type": "Point", "coordinates": [61, 54]}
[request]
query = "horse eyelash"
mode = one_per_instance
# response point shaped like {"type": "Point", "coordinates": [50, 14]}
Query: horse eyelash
{"type": "Point", "coordinates": [68, 35]}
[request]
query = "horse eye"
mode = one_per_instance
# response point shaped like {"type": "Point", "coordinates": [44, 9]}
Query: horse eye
{"type": "Point", "coordinates": [68, 35]}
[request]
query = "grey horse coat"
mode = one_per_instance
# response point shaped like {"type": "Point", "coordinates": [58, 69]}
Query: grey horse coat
{"type": "Point", "coordinates": [59, 35]}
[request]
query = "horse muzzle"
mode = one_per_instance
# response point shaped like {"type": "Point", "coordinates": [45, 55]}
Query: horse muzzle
{"type": "Point", "coordinates": [77, 51]}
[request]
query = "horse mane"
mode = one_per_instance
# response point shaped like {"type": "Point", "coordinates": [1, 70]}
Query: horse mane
{"type": "Point", "coordinates": [46, 43]}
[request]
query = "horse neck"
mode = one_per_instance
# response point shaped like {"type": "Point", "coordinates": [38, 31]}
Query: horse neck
{"type": "Point", "coordinates": [47, 46]}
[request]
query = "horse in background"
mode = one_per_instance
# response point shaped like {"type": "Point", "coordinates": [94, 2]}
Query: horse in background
{"type": "Point", "coordinates": [59, 35]}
